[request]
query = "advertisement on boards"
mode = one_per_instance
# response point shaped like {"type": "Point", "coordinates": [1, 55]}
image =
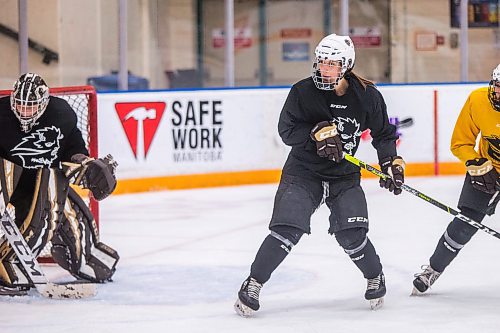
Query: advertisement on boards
{"type": "Point", "coordinates": [192, 132]}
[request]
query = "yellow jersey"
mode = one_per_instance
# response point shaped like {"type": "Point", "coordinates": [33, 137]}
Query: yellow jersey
{"type": "Point", "coordinates": [478, 117]}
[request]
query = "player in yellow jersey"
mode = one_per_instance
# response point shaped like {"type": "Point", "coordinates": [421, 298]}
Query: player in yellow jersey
{"type": "Point", "coordinates": [480, 116]}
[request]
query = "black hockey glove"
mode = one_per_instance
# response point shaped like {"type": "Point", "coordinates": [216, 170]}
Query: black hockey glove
{"type": "Point", "coordinates": [98, 176]}
{"type": "Point", "coordinates": [328, 143]}
{"type": "Point", "coordinates": [484, 176]}
{"type": "Point", "coordinates": [393, 166]}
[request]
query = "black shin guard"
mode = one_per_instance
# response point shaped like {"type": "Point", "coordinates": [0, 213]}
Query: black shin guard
{"type": "Point", "coordinates": [361, 251]}
{"type": "Point", "coordinates": [273, 251]}
{"type": "Point", "coordinates": [457, 234]}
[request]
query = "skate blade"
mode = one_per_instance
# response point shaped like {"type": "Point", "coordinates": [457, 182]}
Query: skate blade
{"type": "Point", "coordinates": [242, 310]}
{"type": "Point", "coordinates": [416, 292]}
{"type": "Point", "coordinates": [376, 303]}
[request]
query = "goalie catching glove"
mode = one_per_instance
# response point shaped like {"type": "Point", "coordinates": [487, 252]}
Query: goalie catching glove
{"type": "Point", "coordinates": [394, 166]}
{"type": "Point", "coordinates": [98, 175]}
{"type": "Point", "coordinates": [483, 175]}
{"type": "Point", "coordinates": [328, 143]}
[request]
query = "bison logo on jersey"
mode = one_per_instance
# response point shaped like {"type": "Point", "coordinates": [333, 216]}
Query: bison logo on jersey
{"type": "Point", "coordinates": [349, 131]}
{"type": "Point", "coordinates": [40, 148]}
{"type": "Point", "coordinates": [494, 147]}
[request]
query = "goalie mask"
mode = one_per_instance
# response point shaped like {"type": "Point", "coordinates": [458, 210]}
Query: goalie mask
{"type": "Point", "coordinates": [334, 57]}
{"type": "Point", "coordinates": [29, 99]}
{"type": "Point", "coordinates": [494, 89]}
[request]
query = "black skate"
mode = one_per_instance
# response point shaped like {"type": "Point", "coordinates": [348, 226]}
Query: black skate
{"type": "Point", "coordinates": [423, 281]}
{"type": "Point", "coordinates": [375, 291]}
{"type": "Point", "coordinates": [248, 297]}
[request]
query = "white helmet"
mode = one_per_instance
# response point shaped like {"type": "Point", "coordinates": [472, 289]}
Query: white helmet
{"type": "Point", "coordinates": [493, 96]}
{"type": "Point", "coordinates": [331, 50]}
{"type": "Point", "coordinates": [29, 99]}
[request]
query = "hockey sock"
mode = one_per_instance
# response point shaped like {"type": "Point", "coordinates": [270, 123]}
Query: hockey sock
{"type": "Point", "coordinates": [273, 251]}
{"type": "Point", "coordinates": [366, 259]}
{"type": "Point", "coordinates": [361, 251]}
{"type": "Point", "coordinates": [457, 234]}
{"type": "Point", "coordinates": [446, 250]}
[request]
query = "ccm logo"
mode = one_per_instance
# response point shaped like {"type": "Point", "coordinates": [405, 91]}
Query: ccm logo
{"type": "Point", "coordinates": [357, 219]}
{"type": "Point", "coordinates": [337, 106]}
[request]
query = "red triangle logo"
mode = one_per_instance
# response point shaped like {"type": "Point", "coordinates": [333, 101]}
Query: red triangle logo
{"type": "Point", "coordinates": [140, 121]}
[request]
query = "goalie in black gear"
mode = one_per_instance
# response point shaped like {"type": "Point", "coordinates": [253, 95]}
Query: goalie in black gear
{"type": "Point", "coordinates": [39, 135]}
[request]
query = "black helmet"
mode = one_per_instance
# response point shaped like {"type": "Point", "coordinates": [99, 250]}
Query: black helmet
{"type": "Point", "coordinates": [29, 99]}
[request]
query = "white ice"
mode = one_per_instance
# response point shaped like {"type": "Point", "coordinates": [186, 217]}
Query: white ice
{"type": "Point", "coordinates": [184, 255]}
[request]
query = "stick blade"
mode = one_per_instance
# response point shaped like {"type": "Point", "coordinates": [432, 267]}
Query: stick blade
{"type": "Point", "coordinates": [67, 290]}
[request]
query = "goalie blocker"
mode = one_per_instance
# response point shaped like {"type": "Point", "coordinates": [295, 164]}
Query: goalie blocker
{"type": "Point", "coordinates": [53, 209]}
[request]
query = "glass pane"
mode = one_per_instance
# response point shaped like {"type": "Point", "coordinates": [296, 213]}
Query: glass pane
{"type": "Point", "coordinates": [180, 43]}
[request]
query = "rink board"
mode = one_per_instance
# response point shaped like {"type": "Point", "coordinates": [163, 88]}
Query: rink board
{"type": "Point", "coordinates": [212, 137]}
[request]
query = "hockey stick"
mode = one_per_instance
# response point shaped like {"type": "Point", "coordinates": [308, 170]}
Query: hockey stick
{"type": "Point", "coordinates": [421, 195]}
{"type": "Point", "coordinates": [407, 122]}
{"type": "Point", "coordinates": [35, 273]}
{"type": "Point", "coordinates": [75, 170]}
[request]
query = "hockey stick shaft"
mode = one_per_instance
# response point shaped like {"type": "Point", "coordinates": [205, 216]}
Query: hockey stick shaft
{"type": "Point", "coordinates": [32, 267]}
{"type": "Point", "coordinates": [422, 196]}
{"type": "Point", "coordinates": [23, 252]}
{"type": "Point", "coordinates": [76, 170]}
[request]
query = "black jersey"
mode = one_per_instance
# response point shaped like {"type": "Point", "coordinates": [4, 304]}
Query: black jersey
{"type": "Point", "coordinates": [360, 108]}
{"type": "Point", "coordinates": [53, 139]}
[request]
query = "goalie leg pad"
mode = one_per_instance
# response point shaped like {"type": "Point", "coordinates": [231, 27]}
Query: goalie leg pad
{"type": "Point", "coordinates": [102, 260]}
{"type": "Point", "coordinates": [36, 216]}
{"type": "Point", "coordinates": [98, 266]}
{"type": "Point", "coordinates": [13, 275]}
{"type": "Point", "coordinates": [76, 246]}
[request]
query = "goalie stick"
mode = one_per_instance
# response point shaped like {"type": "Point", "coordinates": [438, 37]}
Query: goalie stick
{"type": "Point", "coordinates": [421, 195]}
{"type": "Point", "coordinates": [30, 264]}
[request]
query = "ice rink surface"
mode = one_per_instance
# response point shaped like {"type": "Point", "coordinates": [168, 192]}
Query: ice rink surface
{"type": "Point", "coordinates": [184, 255]}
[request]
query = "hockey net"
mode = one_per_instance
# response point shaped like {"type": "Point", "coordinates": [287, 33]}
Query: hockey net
{"type": "Point", "coordinates": [83, 100]}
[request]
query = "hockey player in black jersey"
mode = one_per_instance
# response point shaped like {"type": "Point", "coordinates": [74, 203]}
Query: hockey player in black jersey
{"type": "Point", "coordinates": [38, 133]}
{"type": "Point", "coordinates": [323, 117]}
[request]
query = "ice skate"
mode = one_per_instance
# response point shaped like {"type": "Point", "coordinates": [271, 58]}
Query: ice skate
{"type": "Point", "coordinates": [248, 298]}
{"type": "Point", "coordinates": [423, 281]}
{"type": "Point", "coordinates": [375, 291]}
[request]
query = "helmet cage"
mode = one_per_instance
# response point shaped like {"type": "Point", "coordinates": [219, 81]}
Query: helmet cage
{"type": "Point", "coordinates": [494, 94]}
{"type": "Point", "coordinates": [324, 82]}
{"type": "Point", "coordinates": [29, 99]}
{"type": "Point", "coordinates": [333, 50]}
